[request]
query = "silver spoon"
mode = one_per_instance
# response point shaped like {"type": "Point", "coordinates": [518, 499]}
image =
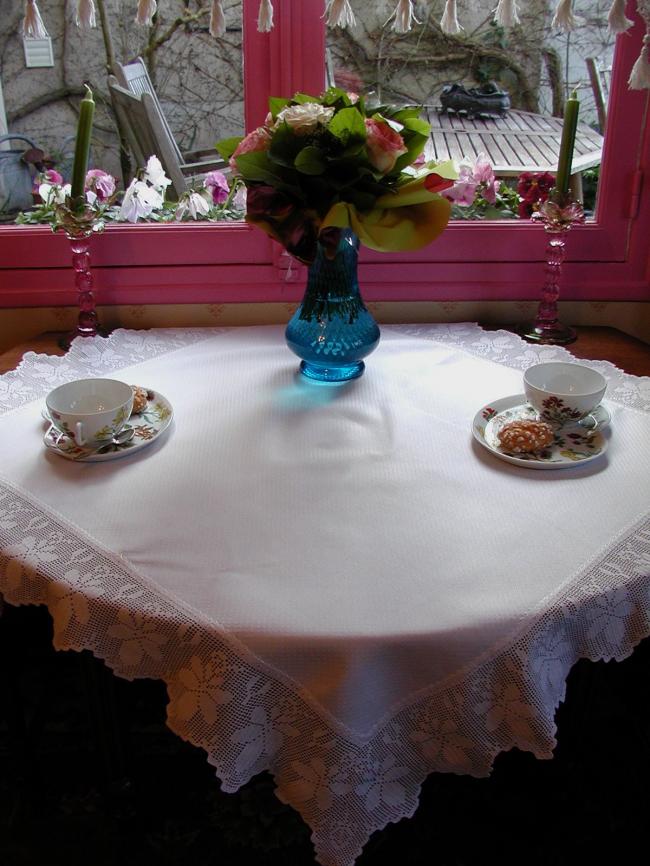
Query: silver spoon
{"type": "Point", "coordinates": [125, 435]}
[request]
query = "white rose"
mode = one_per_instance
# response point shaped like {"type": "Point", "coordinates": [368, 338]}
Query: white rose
{"type": "Point", "coordinates": [304, 119]}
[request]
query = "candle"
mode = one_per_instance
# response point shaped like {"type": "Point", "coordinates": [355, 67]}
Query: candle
{"type": "Point", "coordinates": [82, 149]}
{"type": "Point", "coordinates": [568, 141]}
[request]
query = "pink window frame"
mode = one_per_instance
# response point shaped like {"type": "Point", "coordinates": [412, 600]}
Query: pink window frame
{"type": "Point", "coordinates": [608, 259]}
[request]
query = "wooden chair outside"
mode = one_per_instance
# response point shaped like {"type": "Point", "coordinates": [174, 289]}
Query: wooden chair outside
{"type": "Point", "coordinates": [134, 77]}
{"type": "Point", "coordinates": [600, 80]}
{"type": "Point", "coordinates": [148, 135]}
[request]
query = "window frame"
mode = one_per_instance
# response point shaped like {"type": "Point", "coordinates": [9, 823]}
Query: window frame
{"type": "Point", "coordinates": [607, 258]}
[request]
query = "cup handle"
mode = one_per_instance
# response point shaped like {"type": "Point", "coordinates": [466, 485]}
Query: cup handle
{"type": "Point", "coordinates": [78, 434]}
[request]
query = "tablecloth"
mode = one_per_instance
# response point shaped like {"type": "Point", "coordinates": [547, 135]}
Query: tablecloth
{"type": "Point", "coordinates": [335, 582]}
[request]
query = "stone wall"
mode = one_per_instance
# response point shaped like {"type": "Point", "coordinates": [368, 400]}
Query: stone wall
{"type": "Point", "coordinates": [198, 78]}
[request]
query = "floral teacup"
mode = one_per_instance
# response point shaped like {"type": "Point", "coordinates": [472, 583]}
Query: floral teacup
{"type": "Point", "coordinates": [563, 392]}
{"type": "Point", "coordinates": [91, 411]}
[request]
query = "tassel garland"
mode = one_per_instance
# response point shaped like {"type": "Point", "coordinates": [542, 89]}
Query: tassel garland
{"type": "Point", "coordinates": [449, 21]}
{"type": "Point", "coordinates": [217, 19]}
{"type": "Point", "coordinates": [616, 19]}
{"type": "Point", "coordinates": [265, 17]}
{"type": "Point", "coordinates": [146, 11]}
{"type": "Point", "coordinates": [33, 27]}
{"type": "Point", "coordinates": [403, 17]}
{"type": "Point", "coordinates": [640, 76]}
{"type": "Point", "coordinates": [505, 15]}
{"type": "Point", "coordinates": [564, 19]}
{"type": "Point", "coordinates": [86, 14]}
{"type": "Point", "coordinates": [339, 14]}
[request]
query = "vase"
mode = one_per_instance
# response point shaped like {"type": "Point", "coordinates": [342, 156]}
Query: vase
{"type": "Point", "coordinates": [332, 330]}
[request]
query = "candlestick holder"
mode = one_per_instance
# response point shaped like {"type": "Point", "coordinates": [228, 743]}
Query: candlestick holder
{"type": "Point", "coordinates": [558, 215]}
{"type": "Point", "coordinates": [78, 227]}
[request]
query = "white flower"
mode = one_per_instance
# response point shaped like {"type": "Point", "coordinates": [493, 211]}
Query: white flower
{"type": "Point", "coordinates": [193, 204]}
{"type": "Point", "coordinates": [140, 200]}
{"type": "Point", "coordinates": [304, 119]}
{"type": "Point", "coordinates": [155, 174]}
{"type": "Point", "coordinates": [53, 193]}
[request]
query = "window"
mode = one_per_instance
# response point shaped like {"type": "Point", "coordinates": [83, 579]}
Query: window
{"type": "Point", "coordinates": [607, 259]}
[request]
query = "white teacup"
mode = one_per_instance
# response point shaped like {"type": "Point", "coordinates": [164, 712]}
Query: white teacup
{"type": "Point", "coordinates": [90, 410]}
{"type": "Point", "coordinates": [563, 392]}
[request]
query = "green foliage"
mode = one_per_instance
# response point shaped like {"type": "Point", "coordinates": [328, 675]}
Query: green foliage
{"type": "Point", "coordinates": [317, 164]}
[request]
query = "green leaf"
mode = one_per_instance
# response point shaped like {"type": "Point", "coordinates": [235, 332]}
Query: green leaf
{"type": "Point", "coordinates": [310, 161]}
{"type": "Point", "coordinates": [348, 124]}
{"type": "Point", "coordinates": [227, 146]}
{"type": "Point", "coordinates": [276, 104]}
{"type": "Point", "coordinates": [419, 125]}
{"type": "Point", "coordinates": [257, 166]}
{"type": "Point", "coordinates": [285, 145]}
{"type": "Point", "coordinates": [302, 98]}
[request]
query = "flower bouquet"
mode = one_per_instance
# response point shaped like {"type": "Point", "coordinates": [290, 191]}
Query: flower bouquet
{"type": "Point", "coordinates": [323, 174]}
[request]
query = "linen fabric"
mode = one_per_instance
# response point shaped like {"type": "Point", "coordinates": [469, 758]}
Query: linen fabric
{"type": "Point", "coordinates": [336, 582]}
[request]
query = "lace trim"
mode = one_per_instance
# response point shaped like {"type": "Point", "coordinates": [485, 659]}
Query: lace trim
{"type": "Point", "coordinates": [247, 719]}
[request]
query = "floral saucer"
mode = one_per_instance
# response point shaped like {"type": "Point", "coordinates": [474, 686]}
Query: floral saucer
{"type": "Point", "coordinates": [147, 425]}
{"type": "Point", "coordinates": [574, 444]}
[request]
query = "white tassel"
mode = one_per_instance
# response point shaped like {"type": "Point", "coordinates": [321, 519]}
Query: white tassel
{"type": "Point", "coordinates": [449, 21]}
{"type": "Point", "coordinates": [33, 27]}
{"type": "Point", "coordinates": [616, 19]}
{"type": "Point", "coordinates": [146, 11]}
{"type": "Point", "coordinates": [217, 19]}
{"type": "Point", "coordinates": [265, 17]}
{"type": "Point", "coordinates": [339, 14]}
{"type": "Point", "coordinates": [640, 76]}
{"type": "Point", "coordinates": [505, 14]}
{"type": "Point", "coordinates": [404, 17]}
{"type": "Point", "coordinates": [86, 14]}
{"type": "Point", "coordinates": [564, 19]}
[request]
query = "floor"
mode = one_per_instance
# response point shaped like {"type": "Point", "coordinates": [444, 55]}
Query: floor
{"type": "Point", "coordinates": [587, 806]}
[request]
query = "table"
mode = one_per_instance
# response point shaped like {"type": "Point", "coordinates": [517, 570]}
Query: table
{"type": "Point", "coordinates": [335, 584]}
{"type": "Point", "coordinates": [520, 141]}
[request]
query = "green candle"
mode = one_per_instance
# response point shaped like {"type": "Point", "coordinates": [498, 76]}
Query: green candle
{"type": "Point", "coordinates": [568, 141]}
{"type": "Point", "coordinates": [82, 148]}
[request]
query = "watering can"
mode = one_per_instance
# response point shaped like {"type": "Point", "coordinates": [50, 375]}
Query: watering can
{"type": "Point", "coordinates": [15, 176]}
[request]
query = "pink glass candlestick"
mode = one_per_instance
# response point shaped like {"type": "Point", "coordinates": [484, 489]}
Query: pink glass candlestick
{"type": "Point", "coordinates": [547, 328]}
{"type": "Point", "coordinates": [87, 324]}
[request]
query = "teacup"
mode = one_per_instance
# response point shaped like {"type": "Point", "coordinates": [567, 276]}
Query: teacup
{"type": "Point", "coordinates": [563, 392]}
{"type": "Point", "coordinates": [90, 410]}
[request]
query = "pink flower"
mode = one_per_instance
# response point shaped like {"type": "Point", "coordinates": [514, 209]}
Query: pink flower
{"type": "Point", "coordinates": [464, 189]}
{"type": "Point", "coordinates": [483, 174]}
{"type": "Point", "coordinates": [51, 176]}
{"type": "Point", "coordinates": [216, 184]}
{"type": "Point", "coordinates": [474, 179]}
{"type": "Point", "coordinates": [257, 140]}
{"type": "Point", "coordinates": [383, 144]}
{"type": "Point", "coordinates": [419, 160]}
{"type": "Point", "coordinates": [100, 183]}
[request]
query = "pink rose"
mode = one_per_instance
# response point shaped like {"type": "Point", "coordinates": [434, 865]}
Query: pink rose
{"type": "Point", "coordinates": [257, 140]}
{"type": "Point", "coordinates": [216, 184]}
{"type": "Point", "coordinates": [100, 183]}
{"type": "Point", "coordinates": [383, 144]}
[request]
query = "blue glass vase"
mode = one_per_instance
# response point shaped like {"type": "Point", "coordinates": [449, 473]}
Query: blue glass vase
{"type": "Point", "coordinates": [332, 330]}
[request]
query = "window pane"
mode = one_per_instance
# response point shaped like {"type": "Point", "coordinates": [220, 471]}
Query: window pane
{"type": "Point", "coordinates": [531, 67]}
{"type": "Point", "coordinates": [198, 79]}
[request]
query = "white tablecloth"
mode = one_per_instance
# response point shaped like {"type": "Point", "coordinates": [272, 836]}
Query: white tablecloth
{"type": "Point", "coordinates": [336, 582]}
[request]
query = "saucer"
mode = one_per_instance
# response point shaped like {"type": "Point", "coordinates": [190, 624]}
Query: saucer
{"type": "Point", "coordinates": [148, 425]}
{"type": "Point", "coordinates": [574, 444]}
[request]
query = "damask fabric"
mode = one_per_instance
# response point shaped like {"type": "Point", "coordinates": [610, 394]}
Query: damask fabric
{"type": "Point", "coordinates": [336, 583]}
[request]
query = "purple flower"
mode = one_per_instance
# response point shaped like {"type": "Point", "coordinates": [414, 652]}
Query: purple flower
{"type": "Point", "coordinates": [217, 185]}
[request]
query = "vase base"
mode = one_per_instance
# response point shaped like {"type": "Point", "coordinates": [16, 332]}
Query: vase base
{"type": "Point", "coordinates": [557, 335]}
{"type": "Point", "coordinates": [332, 374]}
